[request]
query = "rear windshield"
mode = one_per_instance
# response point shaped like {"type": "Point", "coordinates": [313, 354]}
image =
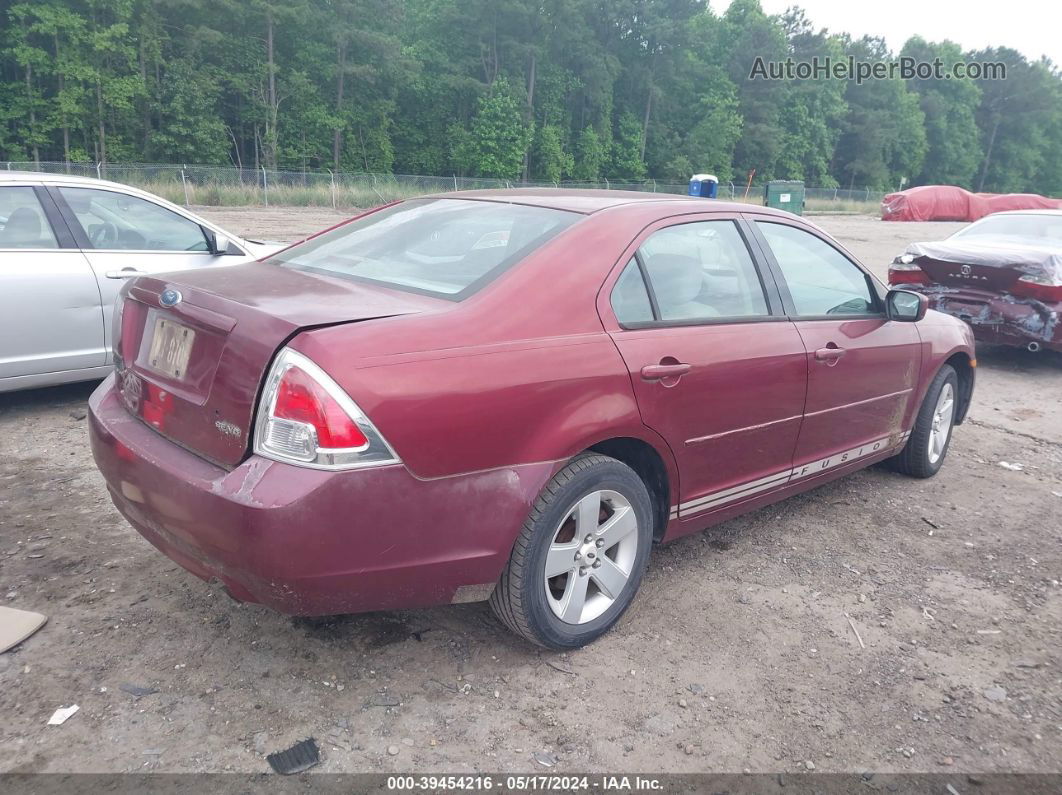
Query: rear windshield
{"type": "Point", "coordinates": [444, 247]}
{"type": "Point", "coordinates": [1029, 229]}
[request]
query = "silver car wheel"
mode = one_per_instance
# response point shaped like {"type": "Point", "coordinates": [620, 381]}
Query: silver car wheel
{"type": "Point", "coordinates": [942, 420]}
{"type": "Point", "coordinates": [591, 557]}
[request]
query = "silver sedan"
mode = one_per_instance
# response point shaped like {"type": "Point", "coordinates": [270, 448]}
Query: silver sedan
{"type": "Point", "coordinates": [67, 244]}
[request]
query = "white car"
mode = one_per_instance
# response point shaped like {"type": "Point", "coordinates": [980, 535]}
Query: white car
{"type": "Point", "coordinates": [67, 244]}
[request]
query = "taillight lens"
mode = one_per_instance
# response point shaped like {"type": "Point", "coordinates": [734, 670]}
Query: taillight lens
{"type": "Point", "coordinates": [904, 271]}
{"type": "Point", "coordinates": [301, 399]}
{"type": "Point", "coordinates": [1043, 288]}
{"type": "Point", "coordinates": [304, 417]}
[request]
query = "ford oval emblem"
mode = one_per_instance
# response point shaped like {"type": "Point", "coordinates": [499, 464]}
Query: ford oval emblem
{"type": "Point", "coordinates": [170, 298]}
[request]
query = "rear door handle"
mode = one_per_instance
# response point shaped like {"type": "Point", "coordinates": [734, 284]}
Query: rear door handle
{"type": "Point", "coordinates": [656, 372]}
{"type": "Point", "coordinates": [830, 354]}
{"type": "Point", "coordinates": [125, 273]}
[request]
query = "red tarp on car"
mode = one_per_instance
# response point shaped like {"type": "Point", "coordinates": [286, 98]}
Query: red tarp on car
{"type": "Point", "coordinates": [951, 203]}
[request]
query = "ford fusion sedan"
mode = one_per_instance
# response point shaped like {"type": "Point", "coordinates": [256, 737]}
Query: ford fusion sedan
{"type": "Point", "coordinates": [1002, 275]}
{"type": "Point", "coordinates": [364, 422]}
{"type": "Point", "coordinates": [66, 246]}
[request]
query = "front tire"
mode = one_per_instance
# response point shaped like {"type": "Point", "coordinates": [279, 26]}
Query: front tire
{"type": "Point", "coordinates": [580, 556]}
{"type": "Point", "coordinates": [924, 453]}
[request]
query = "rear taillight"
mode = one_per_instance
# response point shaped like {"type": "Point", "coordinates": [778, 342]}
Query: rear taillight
{"type": "Point", "coordinates": [904, 271]}
{"type": "Point", "coordinates": [305, 418]}
{"type": "Point", "coordinates": [302, 400]}
{"type": "Point", "coordinates": [1042, 288]}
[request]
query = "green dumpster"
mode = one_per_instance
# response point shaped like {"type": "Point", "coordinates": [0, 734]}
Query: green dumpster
{"type": "Point", "coordinates": [785, 194]}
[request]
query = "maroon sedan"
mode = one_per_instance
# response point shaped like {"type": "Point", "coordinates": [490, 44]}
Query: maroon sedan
{"type": "Point", "coordinates": [509, 395]}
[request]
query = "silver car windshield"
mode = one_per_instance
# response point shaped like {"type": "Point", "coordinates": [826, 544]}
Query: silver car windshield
{"type": "Point", "coordinates": [444, 247]}
{"type": "Point", "coordinates": [1028, 229]}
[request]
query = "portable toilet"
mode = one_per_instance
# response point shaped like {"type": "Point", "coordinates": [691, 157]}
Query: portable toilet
{"type": "Point", "coordinates": [704, 185]}
{"type": "Point", "coordinates": [784, 194]}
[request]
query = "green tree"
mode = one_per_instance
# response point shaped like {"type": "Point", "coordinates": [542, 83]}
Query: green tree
{"type": "Point", "coordinates": [590, 155]}
{"type": "Point", "coordinates": [954, 146]}
{"type": "Point", "coordinates": [745, 34]}
{"type": "Point", "coordinates": [882, 135]}
{"type": "Point", "coordinates": [499, 135]}
{"type": "Point", "coordinates": [541, 89]}
{"type": "Point", "coordinates": [550, 161]}
{"type": "Point", "coordinates": [626, 160]}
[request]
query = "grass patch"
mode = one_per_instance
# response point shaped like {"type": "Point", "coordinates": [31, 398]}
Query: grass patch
{"type": "Point", "coordinates": [310, 195]}
{"type": "Point", "coordinates": [313, 191]}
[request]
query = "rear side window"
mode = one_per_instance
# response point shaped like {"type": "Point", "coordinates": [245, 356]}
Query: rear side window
{"type": "Point", "coordinates": [630, 301]}
{"type": "Point", "coordinates": [448, 248]}
{"type": "Point", "coordinates": [22, 220]}
{"type": "Point", "coordinates": [702, 271]}
{"type": "Point", "coordinates": [821, 280]}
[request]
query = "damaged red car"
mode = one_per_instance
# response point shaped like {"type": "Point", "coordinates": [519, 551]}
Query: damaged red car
{"type": "Point", "coordinates": [509, 396]}
{"type": "Point", "coordinates": [1002, 275]}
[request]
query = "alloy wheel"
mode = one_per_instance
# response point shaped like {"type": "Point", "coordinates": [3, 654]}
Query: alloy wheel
{"type": "Point", "coordinates": [942, 420]}
{"type": "Point", "coordinates": [591, 557]}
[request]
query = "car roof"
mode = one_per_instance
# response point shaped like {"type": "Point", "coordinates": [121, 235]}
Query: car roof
{"type": "Point", "coordinates": [586, 202]}
{"type": "Point", "coordinates": [44, 177]}
{"type": "Point", "coordinates": [1026, 212]}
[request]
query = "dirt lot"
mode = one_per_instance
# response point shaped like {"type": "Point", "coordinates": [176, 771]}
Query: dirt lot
{"type": "Point", "coordinates": [736, 655]}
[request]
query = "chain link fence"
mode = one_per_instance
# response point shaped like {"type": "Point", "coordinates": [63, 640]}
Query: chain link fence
{"type": "Point", "coordinates": [226, 186]}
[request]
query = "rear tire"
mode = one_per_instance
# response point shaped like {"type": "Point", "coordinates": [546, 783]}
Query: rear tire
{"type": "Point", "coordinates": [580, 557]}
{"type": "Point", "coordinates": [927, 447]}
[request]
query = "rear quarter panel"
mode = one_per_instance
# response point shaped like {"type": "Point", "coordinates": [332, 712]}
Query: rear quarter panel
{"type": "Point", "coordinates": [497, 405]}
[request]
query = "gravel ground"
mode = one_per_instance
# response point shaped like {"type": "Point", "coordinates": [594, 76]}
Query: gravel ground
{"type": "Point", "coordinates": [738, 653]}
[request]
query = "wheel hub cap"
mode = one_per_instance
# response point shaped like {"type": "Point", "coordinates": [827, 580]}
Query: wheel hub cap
{"type": "Point", "coordinates": [591, 557]}
{"type": "Point", "coordinates": [940, 429]}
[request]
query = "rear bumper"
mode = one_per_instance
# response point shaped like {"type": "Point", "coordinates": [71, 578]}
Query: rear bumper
{"type": "Point", "coordinates": [310, 542]}
{"type": "Point", "coordinates": [999, 318]}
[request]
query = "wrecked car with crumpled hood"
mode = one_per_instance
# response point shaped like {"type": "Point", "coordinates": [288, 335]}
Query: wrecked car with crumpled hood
{"type": "Point", "coordinates": [1002, 275]}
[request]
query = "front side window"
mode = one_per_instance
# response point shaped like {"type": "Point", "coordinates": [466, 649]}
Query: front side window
{"type": "Point", "coordinates": [448, 248]}
{"type": "Point", "coordinates": [821, 280]}
{"type": "Point", "coordinates": [116, 221]}
{"type": "Point", "coordinates": [22, 220]}
{"type": "Point", "coordinates": [701, 271]}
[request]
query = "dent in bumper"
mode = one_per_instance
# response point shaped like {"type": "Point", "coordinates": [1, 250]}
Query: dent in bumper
{"type": "Point", "coordinates": [1000, 318]}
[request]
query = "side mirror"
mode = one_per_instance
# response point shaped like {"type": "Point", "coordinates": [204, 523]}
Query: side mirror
{"type": "Point", "coordinates": [219, 245]}
{"type": "Point", "coordinates": [906, 306]}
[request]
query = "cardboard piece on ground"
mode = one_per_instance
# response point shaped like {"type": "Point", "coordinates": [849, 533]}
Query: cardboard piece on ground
{"type": "Point", "coordinates": [17, 625]}
{"type": "Point", "coordinates": [60, 715]}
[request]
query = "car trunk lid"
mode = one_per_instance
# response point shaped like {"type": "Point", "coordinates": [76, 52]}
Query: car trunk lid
{"type": "Point", "coordinates": [960, 274]}
{"type": "Point", "coordinates": [986, 262]}
{"type": "Point", "coordinates": [194, 347]}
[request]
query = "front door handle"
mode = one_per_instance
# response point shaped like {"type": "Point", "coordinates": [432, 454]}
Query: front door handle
{"type": "Point", "coordinates": [126, 273]}
{"type": "Point", "coordinates": [659, 372]}
{"type": "Point", "coordinates": [831, 354]}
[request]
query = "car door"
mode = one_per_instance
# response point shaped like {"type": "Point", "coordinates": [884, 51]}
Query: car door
{"type": "Point", "coordinates": [124, 236]}
{"type": "Point", "coordinates": [718, 370]}
{"type": "Point", "coordinates": [862, 367]}
{"type": "Point", "coordinates": [49, 300]}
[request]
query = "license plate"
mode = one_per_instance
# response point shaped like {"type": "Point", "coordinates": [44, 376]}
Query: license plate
{"type": "Point", "coordinates": [171, 347]}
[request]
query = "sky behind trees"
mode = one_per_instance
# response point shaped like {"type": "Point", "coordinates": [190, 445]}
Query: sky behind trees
{"type": "Point", "coordinates": [545, 90]}
{"type": "Point", "coordinates": [1028, 26]}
